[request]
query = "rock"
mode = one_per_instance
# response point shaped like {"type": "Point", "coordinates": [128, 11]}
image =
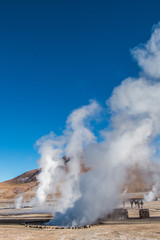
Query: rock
{"type": "Point", "coordinates": [117, 214]}
{"type": "Point", "coordinates": [144, 213]}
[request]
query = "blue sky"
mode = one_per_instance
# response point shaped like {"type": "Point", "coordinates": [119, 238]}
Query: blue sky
{"type": "Point", "coordinates": [54, 57]}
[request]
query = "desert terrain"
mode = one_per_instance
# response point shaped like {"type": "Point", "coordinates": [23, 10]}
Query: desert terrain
{"type": "Point", "coordinates": [132, 228]}
{"type": "Point", "coordinates": [27, 223]}
{"type": "Point", "coordinates": [26, 184]}
{"type": "Point", "coordinates": [116, 231]}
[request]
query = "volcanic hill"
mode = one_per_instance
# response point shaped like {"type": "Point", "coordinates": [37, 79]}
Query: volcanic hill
{"type": "Point", "coordinates": [27, 184]}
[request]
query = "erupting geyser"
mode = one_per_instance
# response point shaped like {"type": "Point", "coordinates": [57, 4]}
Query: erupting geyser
{"type": "Point", "coordinates": [131, 139]}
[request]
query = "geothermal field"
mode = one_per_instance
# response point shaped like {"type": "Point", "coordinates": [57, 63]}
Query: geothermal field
{"type": "Point", "coordinates": [92, 185]}
{"type": "Point", "coordinates": [19, 220]}
{"type": "Point", "coordinates": [25, 223]}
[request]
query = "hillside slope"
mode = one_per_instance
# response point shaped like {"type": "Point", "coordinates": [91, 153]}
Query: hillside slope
{"type": "Point", "coordinates": [27, 184]}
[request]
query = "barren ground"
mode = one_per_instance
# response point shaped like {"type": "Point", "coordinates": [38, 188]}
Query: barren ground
{"type": "Point", "coordinates": [133, 228]}
{"type": "Point", "coordinates": [117, 231]}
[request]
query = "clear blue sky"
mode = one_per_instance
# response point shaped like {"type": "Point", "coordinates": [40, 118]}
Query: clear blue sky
{"type": "Point", "coordinates": [54, 57]}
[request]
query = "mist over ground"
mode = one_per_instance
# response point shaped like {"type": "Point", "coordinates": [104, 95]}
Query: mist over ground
{"type": "Point", "coordinates": [91, 177]}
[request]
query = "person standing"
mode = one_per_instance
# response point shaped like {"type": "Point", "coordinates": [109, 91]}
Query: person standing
{"type": "Point", "coordinates": [136, 203]}
{"type": "Point", "coordinates": [141, 204]}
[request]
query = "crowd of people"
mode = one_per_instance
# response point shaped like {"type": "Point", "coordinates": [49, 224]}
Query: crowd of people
{"type": "Point", "coordinates": [135, 203]}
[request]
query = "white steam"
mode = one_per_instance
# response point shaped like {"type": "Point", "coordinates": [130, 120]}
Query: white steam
{"type": "Point", "coordinates": [60, 175]}
{"type": "Point", "coordinates": [148, 55]}
{"type": "Point", "coordinates": [18, 202]}
{"type": "Point", "coordinates": [88, 181]}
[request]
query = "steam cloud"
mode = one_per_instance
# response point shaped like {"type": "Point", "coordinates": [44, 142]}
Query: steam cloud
{"type": "Point", "coordinates": [88, 181]}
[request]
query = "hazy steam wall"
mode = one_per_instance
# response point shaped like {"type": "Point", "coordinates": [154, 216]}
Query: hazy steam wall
{"type": "Point", "coordinates": [135, 124]}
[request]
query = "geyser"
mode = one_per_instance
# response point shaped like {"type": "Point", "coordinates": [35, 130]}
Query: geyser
{"type": "Point", "coordinates": [131, 139]}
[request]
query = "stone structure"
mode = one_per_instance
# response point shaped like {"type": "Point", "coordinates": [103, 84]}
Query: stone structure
{"type": "Point", "coordinates": [118, 214]}
{"type": "Point", "coordinates": [144, 213]}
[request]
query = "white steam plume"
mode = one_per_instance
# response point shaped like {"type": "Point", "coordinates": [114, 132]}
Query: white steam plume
{"type": "Point", "coordinates": [148, 55]}
{"type": "Point", "coordinates": [56, 174]}
{"type": "Point", "coordinates": [135, 124]}
{"type": "Point", "coordinates": [18, 202]}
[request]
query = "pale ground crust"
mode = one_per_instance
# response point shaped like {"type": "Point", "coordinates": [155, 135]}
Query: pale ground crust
{"type": "Point", "coordinates": [126, 230]}
{"type": "Point", "coordinates": [101, 232]}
